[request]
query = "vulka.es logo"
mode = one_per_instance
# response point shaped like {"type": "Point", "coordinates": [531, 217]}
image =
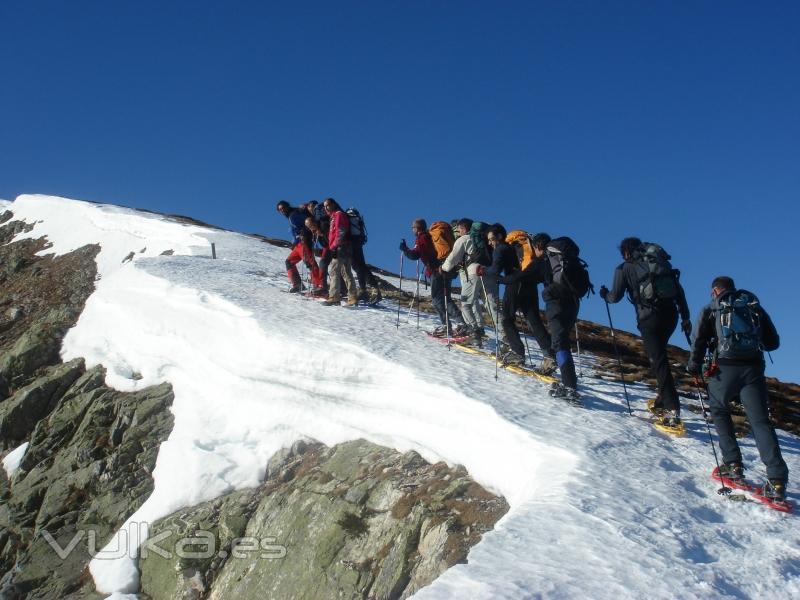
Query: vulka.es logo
{"type": "Point", "coordinates": [134, 541]}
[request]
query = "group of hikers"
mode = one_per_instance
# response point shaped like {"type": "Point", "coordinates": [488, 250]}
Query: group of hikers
{"type": "Point", "coordinates": [727, 342]}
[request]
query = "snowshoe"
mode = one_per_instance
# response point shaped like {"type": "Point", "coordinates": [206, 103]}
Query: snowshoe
{"type": "Point", "coordinates": [511, 358]}
{"type": "Point", "coordinates": [557, 390]}
{"type": "Point", "coordinates": [547, 368]}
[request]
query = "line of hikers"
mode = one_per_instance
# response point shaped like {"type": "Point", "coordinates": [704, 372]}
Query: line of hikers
{"type": "Point", "coordinates": [727, 343]}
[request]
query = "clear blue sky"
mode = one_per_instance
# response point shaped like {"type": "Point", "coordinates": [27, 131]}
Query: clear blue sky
{"type": "Point", "coordinates": [678, 122]}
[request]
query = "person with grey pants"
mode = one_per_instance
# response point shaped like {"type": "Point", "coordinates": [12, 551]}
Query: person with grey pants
{"type": "Point", "coordinates": [465, 259]}
{"type": "Point", "coordinates": [738, 330]}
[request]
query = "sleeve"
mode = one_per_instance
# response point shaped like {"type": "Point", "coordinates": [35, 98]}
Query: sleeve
{"type": "Point", "coordinates": [619, 287]}
{"type": "Point", "coordinates": [680, 300]}
{"type": "Point", "coordinates": [527, 275]}
{"type": "Point", "coordinates": [497, 262]}
{"type": "Point", "coordinates": [769, 335]}
{"type": "Point", "coordinates": [457, 255]}
{"type": "Point", "coordinates": [415, 252]}
{"type": "Point", "coordinates": [702, 335]}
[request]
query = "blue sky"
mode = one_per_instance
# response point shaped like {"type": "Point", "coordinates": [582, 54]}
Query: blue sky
{"type": "Point", "coordinates": [674, 121]}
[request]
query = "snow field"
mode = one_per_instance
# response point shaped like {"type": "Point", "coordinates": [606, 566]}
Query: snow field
{"type": "Point", "coordinates": [601, 504]}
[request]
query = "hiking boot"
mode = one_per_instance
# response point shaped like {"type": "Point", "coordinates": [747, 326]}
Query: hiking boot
{"type": "Point", "coordinates": [296, 289]}
{"type": "Point", "coordinates": [571, 395]}
{"type": "Point", "coordinates": [333, 301]}
{"type": "Point", "coordinates": [548, 366]}
{"type": "Point", "coordinates": [376, 297]}
{"type": "Point", "coordinates": [462, 330]}
{"type": "Point", "coordinates": [732, 470]}
{"type": "Point", "coordinates": [775, 490]}
{"type": "Point", "coordinates": [439, 331]}
{"type": "Point", "coordinates": [319, 292]}
{"type": "Point", "coordinates": [513, 359]}
{"type": "Point", "coordinates": [669, 418]}
{"type": "Point", "coordinates": [353, 301]}
{"type": "Point", "coordinates": [363, 295]}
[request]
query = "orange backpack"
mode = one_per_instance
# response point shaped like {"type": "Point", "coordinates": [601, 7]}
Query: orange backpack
{"type": "Point", "coordinates": [522, 243]}
{"type": "Point", "coordinates": [443, 238]}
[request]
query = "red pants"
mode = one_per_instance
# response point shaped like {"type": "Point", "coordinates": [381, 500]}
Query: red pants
{"type": "Point", "coordinates": [302, 252]}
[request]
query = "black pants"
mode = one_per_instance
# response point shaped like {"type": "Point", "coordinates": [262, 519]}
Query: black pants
{"type": "Point", "coordinates": [656, 330]}
{"type": "Point", "coordinates": [363, 274]}
{"type": "Point", "coordinates": [521, 297]}
{"type": "Point", "coordinates": [446, 309]}
{"type": "Point", "coordinates": [748, 382]}
{"type": "Point", "coordinates": [562, 314]}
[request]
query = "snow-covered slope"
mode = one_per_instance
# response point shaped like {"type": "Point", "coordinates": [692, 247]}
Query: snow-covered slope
{"type": "Point", "coordinates": [602, 506]}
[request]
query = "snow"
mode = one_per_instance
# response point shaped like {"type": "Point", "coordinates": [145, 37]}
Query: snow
{"type": "Point", "coordinates": [602, 505]}
{"type": "Point", "coordinates": [13, 459]}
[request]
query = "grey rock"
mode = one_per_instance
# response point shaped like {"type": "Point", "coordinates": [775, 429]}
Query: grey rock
{"type": "Point", "coordinates": [309, 531]}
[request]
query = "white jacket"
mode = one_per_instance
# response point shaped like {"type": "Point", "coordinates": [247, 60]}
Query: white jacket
{"type": "Point", "coordinates": [461, 249]}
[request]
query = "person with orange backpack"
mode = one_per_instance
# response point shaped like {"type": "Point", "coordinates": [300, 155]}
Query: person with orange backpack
{"type": "Point", "coordinates": [432, 247]}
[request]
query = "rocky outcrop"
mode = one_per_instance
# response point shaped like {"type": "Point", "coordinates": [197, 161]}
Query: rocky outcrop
{"type": "Point", "coordinates": [91, 449]}
{"type": "Point", "coordinates": [353, 521]}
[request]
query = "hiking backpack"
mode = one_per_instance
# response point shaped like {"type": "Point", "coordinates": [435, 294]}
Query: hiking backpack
{"type": "Point", "coordinates": [358, 231]}
{"type": "Point", "coordinates": [657, 279]}
{"type": "Point", "coordinates": [569, 271]}
{"type": "Point", "coordinates": [738, 325]}
{"type": "Point", "coordinates": [479, 253]}
{"type": "Point", "coordinates": [522, 243]}
{"type": "Point", "coordinates": [443, 239]}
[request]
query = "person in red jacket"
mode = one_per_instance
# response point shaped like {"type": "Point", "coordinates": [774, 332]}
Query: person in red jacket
{"type": "Point", "coordinates": [425, 251]}
{"type": "Point", "coordinates": [341, 253]}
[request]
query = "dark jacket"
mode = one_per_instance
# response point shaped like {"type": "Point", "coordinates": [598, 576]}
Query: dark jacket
{"type": "Point", "coordinates": [425, 251]}
{"type": "Point", "coordinates": [504, 261]}
{"type": "Point", "coordinates": [537, 271]}
{"type": "Point", "coordinates": [626, 281]}
{"type": "Point", "coordinates": [297, 226]}
{"type": "Point", "coordinates": [704, 338]}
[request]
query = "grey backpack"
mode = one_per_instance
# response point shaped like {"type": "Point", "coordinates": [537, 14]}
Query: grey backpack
{"type": "Point", "coordinates": [657, 279]}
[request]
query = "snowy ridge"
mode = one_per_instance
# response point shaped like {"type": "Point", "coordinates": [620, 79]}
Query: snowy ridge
{"type": "Point", "coordinates": [601, 505]}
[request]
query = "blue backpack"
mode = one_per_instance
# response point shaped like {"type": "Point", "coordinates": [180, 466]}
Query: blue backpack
{"type": "Point", "coordinates": [738, 325]}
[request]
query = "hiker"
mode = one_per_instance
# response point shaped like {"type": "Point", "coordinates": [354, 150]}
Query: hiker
{"type": "Point", "coordinates": [470, 251]}
{"type": "Point", "coordinates": [736, 330]}
{"type": "Point", "coordinates": [319, 241]}
{"type": "Point", "coordinates": [505, 264]}
{"type": "Point", "coordinates": [340, 250]}
{"type": "Point", "coordinates": [533, 272]}
{"type": "Point", "coordinates": [426, 250]}
{"type": "Point", "coordinates": [316, 211]}
{"type": "Point", "coordinates": [358, 237]}
{"type": "Point", "coordinates": [301, 249]}
{"type": "Point", "coordinates": [566, 281]}
{"type": "Point", "coordinates": [652, 286]}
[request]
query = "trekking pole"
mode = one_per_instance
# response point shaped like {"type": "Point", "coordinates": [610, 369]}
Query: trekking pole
{"type": "Point", "coordinates": [527, 348]}
{"type": "Point", "coordinates": [400, 291]}
{"type": "Point", "coordinates": [724, 490]}
{"type": "Point", "coordinates": [494, 324]}
{"type": "Point", "coordinates": [446, 313]}
{"type": "Point", "coordinates": [619, 360]}
{"type": "Point", "coordinates": [418, 276]}
{"type": "Point", "coordinates": [578, 342]}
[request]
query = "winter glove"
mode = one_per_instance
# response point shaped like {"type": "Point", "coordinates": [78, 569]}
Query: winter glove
{"type": "Point", "coordinates": [333, 253]}
{"type": "Point", "coordinates": [603, 292]}
{"type": "Point", "coordinates": [480, 270]}
{"type": "Point", "coordinates": [403, 246]}
{"type": "Point", "coordinates": [686, 327]}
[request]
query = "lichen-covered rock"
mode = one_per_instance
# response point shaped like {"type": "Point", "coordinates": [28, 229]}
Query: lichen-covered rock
{"type": "Point", "coordinates": [353, 521]}
{"type": "Point", "coordinates": [87, 469]}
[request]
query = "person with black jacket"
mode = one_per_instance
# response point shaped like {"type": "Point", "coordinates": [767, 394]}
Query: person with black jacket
{"type": "Point", "coordinates": [505, 263]}
{"type": "Point", "coordinates": [737, 368]}
{"type": "Point", "coordinates": [525, 283]}
{"type": "Point", "coordinates": [561, 311]}
{"type": "Point", "coordinates": [656, 320]}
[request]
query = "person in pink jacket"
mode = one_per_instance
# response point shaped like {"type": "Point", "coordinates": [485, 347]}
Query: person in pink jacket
{"type": "Point", "coordinates": [341, 253]}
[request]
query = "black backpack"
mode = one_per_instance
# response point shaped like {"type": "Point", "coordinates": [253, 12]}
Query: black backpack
{"type": "Point", "coordinates": [657, 279]}
{"type": "Point", "coordinates": [570, 272]}
{"type": "Point", "coordinates": [358, 231]}
{"type": "Point", "coordinates": [480, 253]}
{"type": "Point", "coordinates": [738, 325]}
